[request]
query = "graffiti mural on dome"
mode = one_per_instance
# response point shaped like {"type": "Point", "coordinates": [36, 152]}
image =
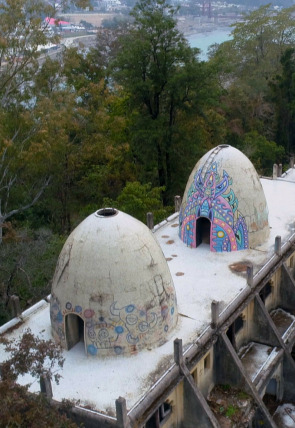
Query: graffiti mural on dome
{"type": "Point", "coordinates": [211, 197]}
{"type": "Point", "coordinates": [118, 328]}
{"type": "Point", "coordinates": [57, 319]}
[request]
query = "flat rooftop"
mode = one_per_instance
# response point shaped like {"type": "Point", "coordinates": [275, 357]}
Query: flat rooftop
{"type": "Point", "coordinates": [199, 276]}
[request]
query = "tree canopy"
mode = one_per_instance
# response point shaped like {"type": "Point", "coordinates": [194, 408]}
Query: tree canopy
{"type": "Point", "coordinates": [250, 67]}
{"type": "Point", "coordinates": [165, 84]}
{"type": "Point", "coordinates": [37, 357]}
{"type": "Point", "coordinates": [253, 54]}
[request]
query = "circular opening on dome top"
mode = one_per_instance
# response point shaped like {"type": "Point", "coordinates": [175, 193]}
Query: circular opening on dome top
{"type": "Point", "coordinates": [106, 212]}
{"type": "Point", "coordinates": [224, 146]}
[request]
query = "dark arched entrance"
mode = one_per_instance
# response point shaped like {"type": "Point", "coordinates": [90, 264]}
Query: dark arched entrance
{"type": "Point", "coordinates": [74, 330]}
{"type": "Point", "coordinates": [203, 231]}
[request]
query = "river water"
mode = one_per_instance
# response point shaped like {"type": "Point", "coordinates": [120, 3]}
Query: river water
{"type": "Point", "coordinates": [204, 40]}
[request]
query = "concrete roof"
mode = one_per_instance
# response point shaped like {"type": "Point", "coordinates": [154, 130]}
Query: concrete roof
{"type": "Point", "coordinates": [199, 276]}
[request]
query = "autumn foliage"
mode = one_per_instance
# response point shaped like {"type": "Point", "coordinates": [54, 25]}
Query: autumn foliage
{"type": "Point", "coordinates": [20, 408]}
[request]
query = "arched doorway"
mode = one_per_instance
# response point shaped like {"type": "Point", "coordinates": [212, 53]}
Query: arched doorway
{"type": "Point", "coordinates": [74, 330]}
{"type": "Point", "coordinates": [203, 231]}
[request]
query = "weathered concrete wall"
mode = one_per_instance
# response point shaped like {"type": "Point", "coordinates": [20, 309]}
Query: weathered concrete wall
{"type": "Point", "coordinates": [175, 399]}
{"type": "Point", "coordinates": [289, 380]}
{"type": "Point", "coordinates": [89, 419]}
{"type": "Point", "coordinates": [275, 384]}
{"type": "Point", "coordinates": [226, 372]}
{"type": "Point", "coordinates": [273, 300]}
{"type": "Point", "coordinates": [262, 333]}
{"type": "Point", "coordinates": [242, 336]}
{"type": "Point", "coordinates": [287, 289]}
{"type": "Point", "coordinates": [203, 373]}
{"type": "Point", "coordinates": [194, 412]}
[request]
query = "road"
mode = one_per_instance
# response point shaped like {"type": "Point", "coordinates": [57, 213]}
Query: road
{"type": "Point", "coordinates": [87, 41]}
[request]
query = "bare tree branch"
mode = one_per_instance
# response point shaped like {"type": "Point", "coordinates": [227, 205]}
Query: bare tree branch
{"type": "Point", "coordinates": [5, 216]}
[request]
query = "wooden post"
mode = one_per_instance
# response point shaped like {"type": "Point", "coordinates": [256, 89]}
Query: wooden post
{"type": "Point", "coordinates": [178, 355]}
{"type": "Point", "coordinates": [250, 275]}
{"type": "Point", "coordinates": [278, 245]}
{"type": "Point", "coordinates": [275, 171]}
{"type": "Point", "coordinates": [177, 203]}
{"type": "Point", "coordinates": [121, 412]}
{"type": "Point", "coordinates": [280, 170]}
{"type": "Point", "coordinates": [214, 314]}
{"type": "Point", "coordinates": [45, 385]}
{"type": "Point", "coordinates": [150, 220]}
{"type": "Point", "coordinates": [15, 306]}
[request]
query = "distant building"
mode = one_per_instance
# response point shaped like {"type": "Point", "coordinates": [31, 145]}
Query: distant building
{"type": "Point", "coordinates": [190, 324]}
{"type": "Point", "coordinates": [57, 24]}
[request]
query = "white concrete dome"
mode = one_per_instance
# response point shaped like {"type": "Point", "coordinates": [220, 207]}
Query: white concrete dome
{"type": "Point", "coordinates": [112, 287]}
{"type": "Point", "coordinates": [224, 203]}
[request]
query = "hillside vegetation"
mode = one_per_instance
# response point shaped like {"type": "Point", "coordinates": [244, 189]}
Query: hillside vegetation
{"type": "Point", "coordinates": [123, 123]}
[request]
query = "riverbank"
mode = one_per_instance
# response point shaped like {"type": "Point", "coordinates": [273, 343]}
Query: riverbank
{"type": "Point", "coordinates": [188, 25]}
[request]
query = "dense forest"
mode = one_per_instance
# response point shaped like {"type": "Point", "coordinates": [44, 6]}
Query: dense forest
{"type": "Point", "coordinates": [123, 123]}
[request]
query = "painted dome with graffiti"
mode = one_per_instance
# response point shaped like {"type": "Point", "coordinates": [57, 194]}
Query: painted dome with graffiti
{"type": "Point", "coordinates": [112, 288]}
{"type": "Point", "coordinates": [224, 203]}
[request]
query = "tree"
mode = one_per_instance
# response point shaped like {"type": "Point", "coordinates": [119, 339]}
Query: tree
{"type": "Point", "coordinates": [253, 54]}
{"type": "Point", "coordinates": [20, 186]}
{"type": "Point", "coordinates": [261, 152]}
{"type": "Point", "coordinates": [246, 66]}
{"type": "Point", "coordinates": [27, 263]}
{"type": "Point", "coordinates": [161, 77]}
{"type": "Point", "coordinates": [138, 199]}
{"type": "Point", "coordinates": [283, 89]}
{"type": "Point", "coordinates": [115, 22]}
{"type": "Point", "coordinates": [83, 137]}
{"type": "Point", "coordinates": [37, 357]}
{"type": "Point", "coordinates": [23, 31]}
